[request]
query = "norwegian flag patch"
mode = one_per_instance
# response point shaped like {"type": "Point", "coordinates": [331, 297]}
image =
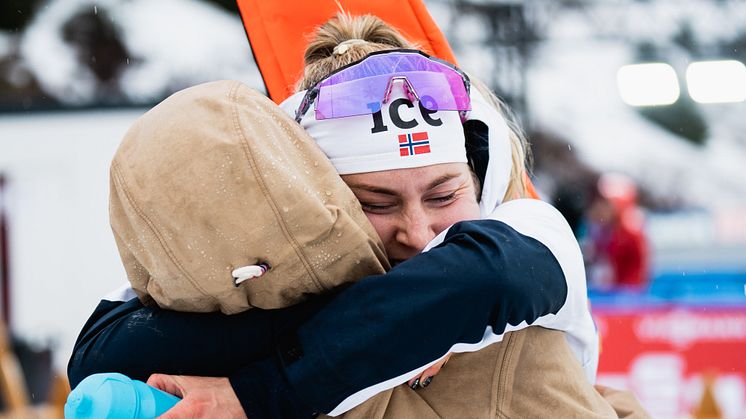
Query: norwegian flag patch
{"type": "Point", "coordinates": [415, 143]}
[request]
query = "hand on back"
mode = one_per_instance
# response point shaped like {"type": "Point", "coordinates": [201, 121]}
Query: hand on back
{"type": "Point", "coordinates": [202, 397]}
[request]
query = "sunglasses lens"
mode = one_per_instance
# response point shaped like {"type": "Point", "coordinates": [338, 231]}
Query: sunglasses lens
{"type": "Point", "coordinates": [350, 98]}
{"type": "Point", "coordinates": [360, 88]}
{"type": "Point", "coordinates": [440, 90]}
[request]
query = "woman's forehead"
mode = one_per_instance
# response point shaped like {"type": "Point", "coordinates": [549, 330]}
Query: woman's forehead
{"type": "Point", "coordinates": [411, 179]}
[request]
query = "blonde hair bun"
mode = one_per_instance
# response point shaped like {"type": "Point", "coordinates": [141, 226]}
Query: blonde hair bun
{"type": "Point", "coordinates": [345, 39]}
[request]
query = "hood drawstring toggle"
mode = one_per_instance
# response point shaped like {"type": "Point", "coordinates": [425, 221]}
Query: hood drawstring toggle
{"type": "Point", "coordinates": [247, 272]}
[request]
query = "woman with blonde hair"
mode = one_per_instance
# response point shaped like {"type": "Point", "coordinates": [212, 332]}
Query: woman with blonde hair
{"type": "Point", "coordinates": [422, 151]}
{"type": "Point", "coordinates": [346, 39]}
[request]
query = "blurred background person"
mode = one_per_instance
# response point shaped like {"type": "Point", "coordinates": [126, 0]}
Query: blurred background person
{"type": "Point", "coordinates": [615, 245]}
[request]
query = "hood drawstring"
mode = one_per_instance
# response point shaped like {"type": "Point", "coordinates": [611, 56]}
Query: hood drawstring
{"type": "Point", "coordinates": [247, 272]}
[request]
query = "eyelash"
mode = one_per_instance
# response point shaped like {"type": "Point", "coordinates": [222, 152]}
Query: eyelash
{"type": "Point", "coordinates": [374, 208]}
{"type": "Point", "coordinates": [444, 199]}
{"type": "Point", "coordinates": [380, 208]}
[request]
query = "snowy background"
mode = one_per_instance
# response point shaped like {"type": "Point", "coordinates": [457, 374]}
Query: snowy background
{"type": "Point", "coordinates": [76, 73]}
{"type": "Point", "coordinates": [66, 110]}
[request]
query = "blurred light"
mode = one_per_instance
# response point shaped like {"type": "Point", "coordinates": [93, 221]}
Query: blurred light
{"type": "Point", "coordinates": [648, 84]}
{"type": "Point", "coordinates": [717, 81]}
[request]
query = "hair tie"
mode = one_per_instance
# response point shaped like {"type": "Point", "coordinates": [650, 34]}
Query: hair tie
{"type": "Point", "coordinates": [343, 46]}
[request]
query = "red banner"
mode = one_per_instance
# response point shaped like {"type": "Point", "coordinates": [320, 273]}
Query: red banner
{"type": "Point", "coordinates": [663, 354]}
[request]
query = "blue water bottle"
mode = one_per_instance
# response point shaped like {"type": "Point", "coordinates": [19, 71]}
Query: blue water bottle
{"type": "Point", "coordinates": [115, 396]}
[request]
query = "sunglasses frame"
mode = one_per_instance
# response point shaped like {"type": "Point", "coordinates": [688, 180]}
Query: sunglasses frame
{"type": "Point", "coordinates": [312, 93]}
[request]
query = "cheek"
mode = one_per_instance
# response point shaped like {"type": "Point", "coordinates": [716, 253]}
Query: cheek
{"type": "Point", "coordinates": [382, 225]}
{"type": "Point", "coordinates": [465, 209]}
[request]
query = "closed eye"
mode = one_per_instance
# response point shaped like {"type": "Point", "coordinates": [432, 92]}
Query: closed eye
{"type": "Point", "coordinates": [376, 208]}
{"type": "Point", "coordinates": [443, 199]}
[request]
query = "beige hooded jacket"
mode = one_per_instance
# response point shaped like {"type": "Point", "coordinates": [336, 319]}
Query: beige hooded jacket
{"type": "Point", "coordinates": [530, 374]}
{"type": "Point", "coordinates": [217, 177]}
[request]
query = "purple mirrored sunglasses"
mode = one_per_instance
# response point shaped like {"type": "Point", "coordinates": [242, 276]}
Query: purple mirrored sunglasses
{"type": "Point", "coordinates": [361, 87]}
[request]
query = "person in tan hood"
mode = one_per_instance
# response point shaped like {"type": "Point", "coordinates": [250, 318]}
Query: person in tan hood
{"type": "Point", "coordinates": [352, 355]}
{"type": "Point", "coordinates": [211, 188]}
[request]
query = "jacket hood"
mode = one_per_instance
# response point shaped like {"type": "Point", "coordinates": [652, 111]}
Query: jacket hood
{"type": "Point", "coordinates": [217, 177]}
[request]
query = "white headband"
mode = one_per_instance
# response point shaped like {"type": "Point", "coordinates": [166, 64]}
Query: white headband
{"type": "Point", "coordinates": [401, 135]}
{"type": "Point", "coordinates": [497, 178]}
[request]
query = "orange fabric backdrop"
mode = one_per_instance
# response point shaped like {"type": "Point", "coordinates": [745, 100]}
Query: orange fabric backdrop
{"type": "Point", "coordinates": [280, 30]}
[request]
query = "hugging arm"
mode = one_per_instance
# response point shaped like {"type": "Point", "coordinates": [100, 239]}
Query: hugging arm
{"type": "Point", "coordinates": [483, 279]}
{"type": "Point", "coordinates": [127, 337]}
{"type": "Point", "coordinates": [460, 296]}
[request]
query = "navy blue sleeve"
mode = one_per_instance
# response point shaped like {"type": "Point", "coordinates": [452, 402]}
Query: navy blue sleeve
{"type": "Point", "coordinates": [264, 392]}
{"type": "Point", "coordinates": [483, 274]}
{"type": "Point", "coordinates": [137, 341]}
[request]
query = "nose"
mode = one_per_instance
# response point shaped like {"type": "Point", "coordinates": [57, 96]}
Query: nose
{"type": "Point", "coordinates": [415, 230]}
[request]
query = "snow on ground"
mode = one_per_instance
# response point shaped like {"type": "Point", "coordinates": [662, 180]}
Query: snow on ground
{"type": "Point", "coordinates": [173, 43]}
{"type": "Point", "coordinates": [5, 44]}
{"type": "Point", "coordinates": [52, 60]}
{"type": "Point", "coordinates": [197, 42]}
{"type": "Point", "coordinates": [573, 93]}
{"type": "Point", "coordinates": [710, 21]}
